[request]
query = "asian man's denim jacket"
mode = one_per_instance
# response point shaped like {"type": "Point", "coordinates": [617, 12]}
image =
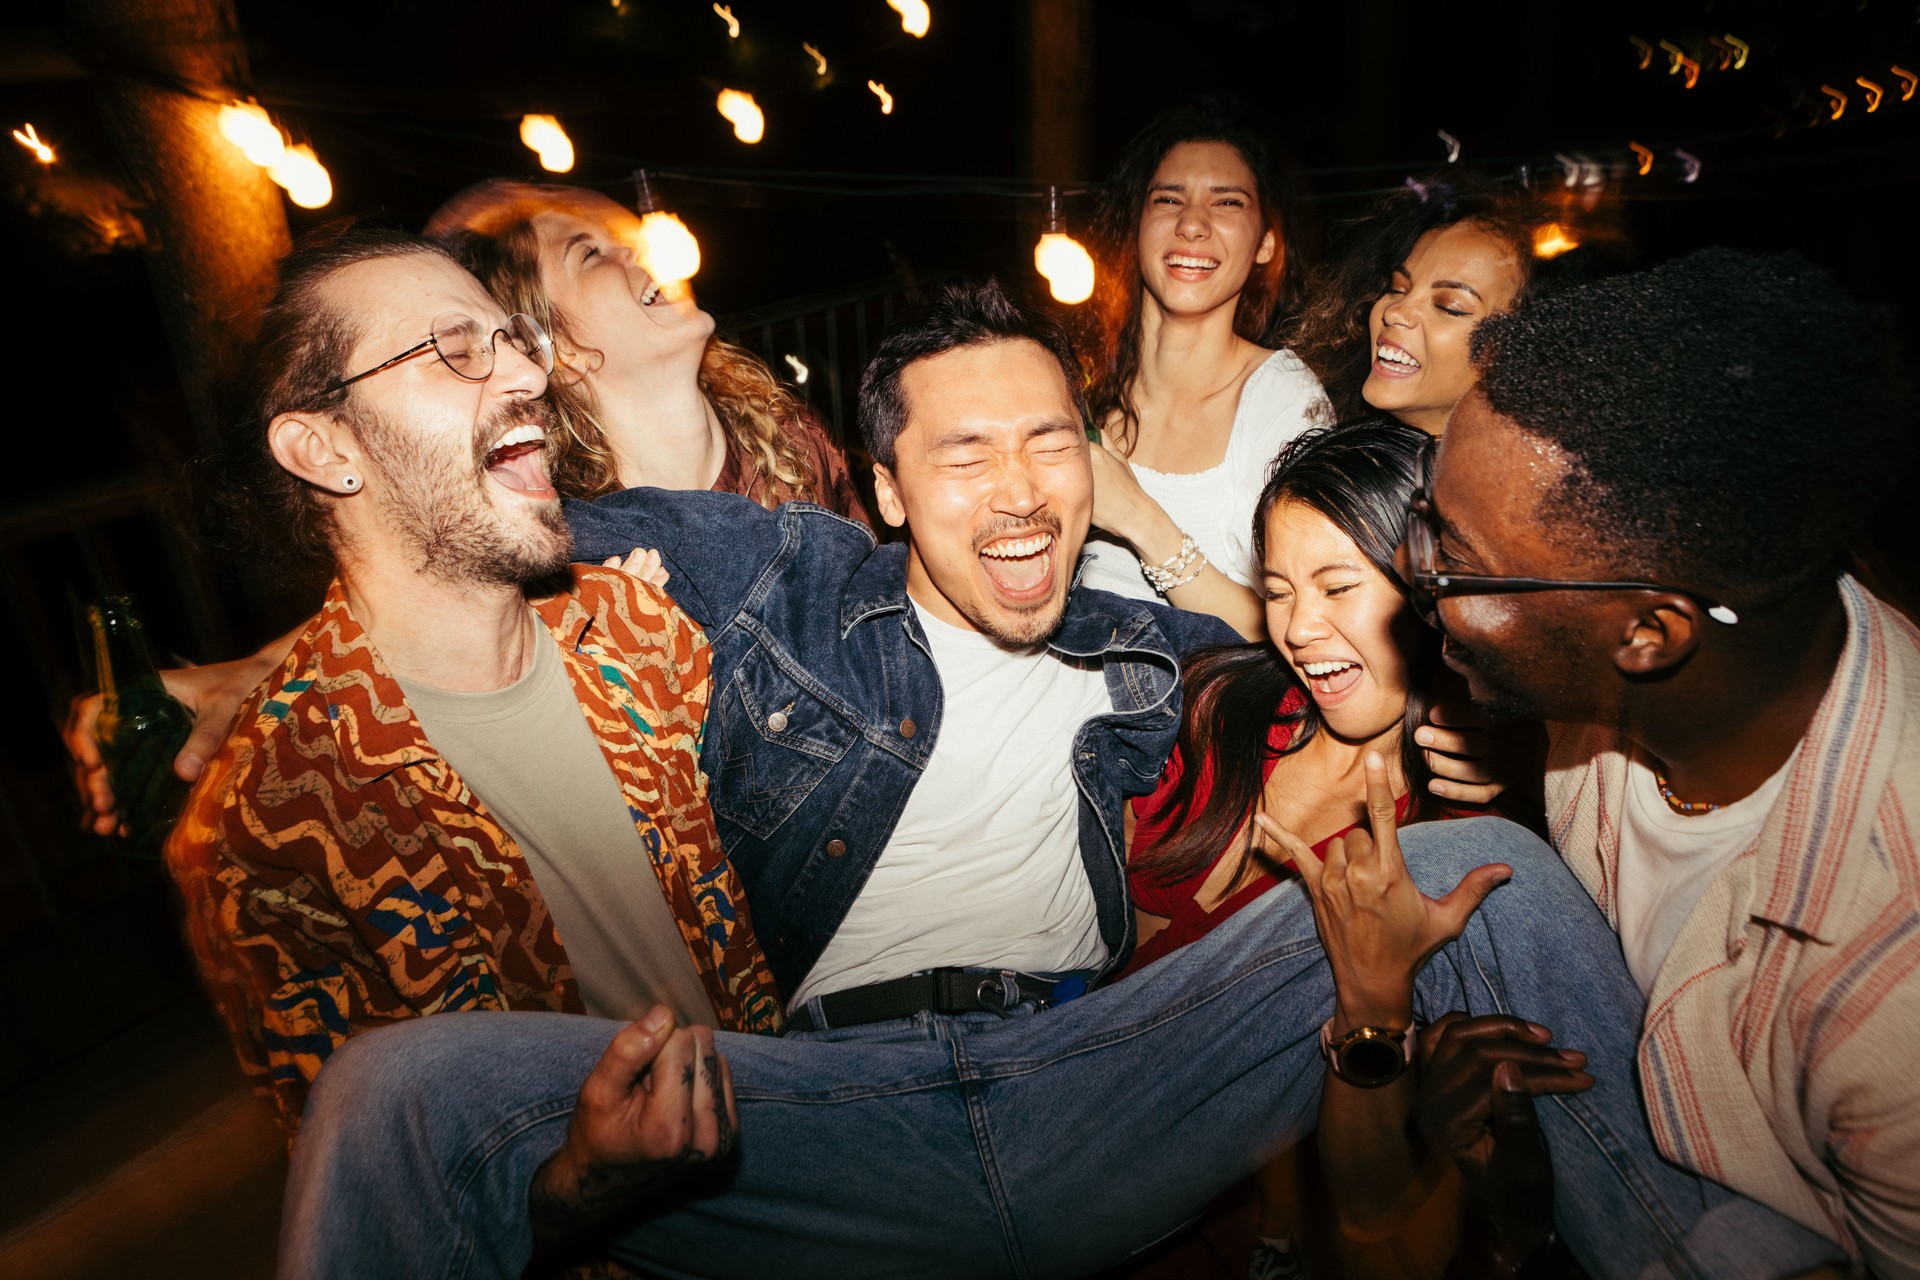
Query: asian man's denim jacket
{"type": "Point", "coordinates": [826, 702]}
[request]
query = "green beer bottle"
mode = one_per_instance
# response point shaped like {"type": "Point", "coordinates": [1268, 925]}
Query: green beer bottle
{"type": "Point", "coordinates": [141, 727]}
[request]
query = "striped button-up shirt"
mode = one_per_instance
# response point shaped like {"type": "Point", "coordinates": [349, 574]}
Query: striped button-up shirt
{"type": "Point", "coordinates": [1781, 1050]}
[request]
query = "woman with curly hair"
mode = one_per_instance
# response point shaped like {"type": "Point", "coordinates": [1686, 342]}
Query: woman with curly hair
{"type": "Point", "coordinates": [1386, 325]}
{"type": "Point", "coordinates": [644, 392]}
{"type": "Point", "coordinates": [1189, 395]}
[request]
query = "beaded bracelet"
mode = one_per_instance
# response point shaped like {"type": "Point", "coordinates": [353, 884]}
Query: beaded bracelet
{"type": "Point", "coordinates": [1178, 569]}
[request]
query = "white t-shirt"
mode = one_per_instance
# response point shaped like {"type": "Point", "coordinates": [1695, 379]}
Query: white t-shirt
{"type": "Point", "coordinates": [983, 868]}
{"type": "Point", "coordinates": [1668, 859]}
{"type": "Point", "coordinates": [1280, 400]}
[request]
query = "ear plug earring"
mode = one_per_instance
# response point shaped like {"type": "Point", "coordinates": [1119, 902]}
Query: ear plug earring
{"type": "Point", "coordinates": [349, 483]}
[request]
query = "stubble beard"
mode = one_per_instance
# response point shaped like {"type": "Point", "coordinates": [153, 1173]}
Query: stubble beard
{"type": "Point", "coordinates": [436, 501]}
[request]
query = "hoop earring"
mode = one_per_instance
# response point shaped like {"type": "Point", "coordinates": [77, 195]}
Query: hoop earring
{"type": "Point", "coordinates": [349, 483]}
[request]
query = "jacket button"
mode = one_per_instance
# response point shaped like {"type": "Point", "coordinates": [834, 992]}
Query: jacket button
{"type": "Point", "coordinates": [836, 848]}
{"type": "Point", "coordinates": [777, 722]}
{"type": "Point", "coordinates": [908, 728]}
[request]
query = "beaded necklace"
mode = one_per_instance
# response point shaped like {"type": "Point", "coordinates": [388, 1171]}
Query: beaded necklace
{"type": "Point", "coordinates": [1674, 802]}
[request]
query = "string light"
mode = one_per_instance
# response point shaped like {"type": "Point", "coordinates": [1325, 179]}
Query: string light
{"type": "Point", "coordinates": [1453, 146]}
{"type": "Point", "coordinates": [749, 125]}
{"type": "Point", "coordinates": [819, 58]}
{"type": "Point", "coordinates": [1064, 261]}
{"type": "Point", "coordinates": [1646, 158]}
{"type": "Point", "coordinates": [1874, 93]}
{"type": "Point", "coordinates": [1691, 165]}
{"type": "Point", "coordinates": [799, 370]}
{"type": "Point", "coordinates": [546, 139]}
{"type": "Point", "coordinates": [1838, 99]}
{"type": "Point", "coordinates": [305, 179]}
{"type": "Point", "coordinates": [1678, 61]}
{"type": "Point", "coordinates": [33, 142]}
{"type": "Point", "coordinates": [1740, 50]}
{"type": "Point", "coordinates": [1552, 240]}
{"type": "Point", "coordinates": [1646, 51]}
{"type": "Point", "coordinates": [295, 168]}
{"type": "Point", "coordinates": [733, 23]}
{"type": "Point", "coordinates": [880, 92]}
{"type": "Point", "coordinates": [663, 245]}
{"type": "Point", "coordinates": [247, 126]}
{"type": "Point", "coordinates": [1907, 82]}
{"type": "Point", "coordinates": [915, 17]}
{"type": "Point", "coordinates": [1724, 49]}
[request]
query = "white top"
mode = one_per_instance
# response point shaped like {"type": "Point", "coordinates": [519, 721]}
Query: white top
{"type": "Point", "coordinates": [1668, 859]}
{"type": "Point", "coordinates": [983, 868]}
{"type": "Point", "coordinates": [1280, 400]}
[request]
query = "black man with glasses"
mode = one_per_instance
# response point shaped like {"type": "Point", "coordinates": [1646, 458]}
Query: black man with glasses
{"type": "Point", "coordinates": [1635, 529]}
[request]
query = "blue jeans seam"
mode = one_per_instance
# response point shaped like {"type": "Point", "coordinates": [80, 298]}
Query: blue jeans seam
{"type": "Point", "coordinates": [463, 1176]}
{"type": "Point", "coordinates": [973, 1097]}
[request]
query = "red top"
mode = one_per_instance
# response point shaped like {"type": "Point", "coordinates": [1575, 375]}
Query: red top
{"type": "Point", "coordinates": [1187, 921]}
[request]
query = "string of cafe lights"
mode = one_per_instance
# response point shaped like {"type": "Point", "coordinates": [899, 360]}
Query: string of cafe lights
{"type": "Point", "coordinates": [671, 252]}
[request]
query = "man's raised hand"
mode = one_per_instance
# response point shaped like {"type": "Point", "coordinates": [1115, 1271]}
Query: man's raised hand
{"type": "Point", "coordinates": [659, 1100]}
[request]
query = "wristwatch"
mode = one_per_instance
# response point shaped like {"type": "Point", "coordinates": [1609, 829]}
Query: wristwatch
{"type": "Point", "coordinates": [1367, 1057]}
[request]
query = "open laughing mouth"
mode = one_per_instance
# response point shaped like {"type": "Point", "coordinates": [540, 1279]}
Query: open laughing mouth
{"type": "Point", "coordinates": [1331, 681]}
{"type": "Point", "coordinates": [1020, 566]}
{"type": "Point", "coordinates": [1393, 361]}
{"type": "Point", "coordinates": [517, 461]}
{"type": "Point", "coordinates": [1191, 265]}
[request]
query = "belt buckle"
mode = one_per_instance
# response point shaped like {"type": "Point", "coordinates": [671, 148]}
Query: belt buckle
{"type": "Point", "coordinates": [991, 994]}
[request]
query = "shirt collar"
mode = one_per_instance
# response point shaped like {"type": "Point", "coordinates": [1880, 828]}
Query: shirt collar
{"type": "Point", "coordinates": [1825, 814]}
{"type": "Point", "coordinates": [374, 729]}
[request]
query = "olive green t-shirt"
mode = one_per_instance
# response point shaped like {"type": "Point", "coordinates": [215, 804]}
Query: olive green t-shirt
{"type": "Point", "coordinates": [531, 757]}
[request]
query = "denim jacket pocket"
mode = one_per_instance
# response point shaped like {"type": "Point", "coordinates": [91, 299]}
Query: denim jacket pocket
{"type": "Point", "coordinates": [781, 741]}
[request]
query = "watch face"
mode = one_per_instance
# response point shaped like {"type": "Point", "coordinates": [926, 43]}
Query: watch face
{"type": "Point", "coordinates": [1370, 1060]}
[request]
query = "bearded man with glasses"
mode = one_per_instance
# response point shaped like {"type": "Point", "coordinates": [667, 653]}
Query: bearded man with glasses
{"type": "Point", "coordinates": [474, 749]}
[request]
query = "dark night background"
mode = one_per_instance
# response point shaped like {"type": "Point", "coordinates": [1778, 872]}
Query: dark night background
{"type": "Point", "coordinates": [407, 102]}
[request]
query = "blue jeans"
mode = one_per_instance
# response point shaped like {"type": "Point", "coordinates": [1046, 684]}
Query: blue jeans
{"type": "Point", "coordinates": [1051, 1144]}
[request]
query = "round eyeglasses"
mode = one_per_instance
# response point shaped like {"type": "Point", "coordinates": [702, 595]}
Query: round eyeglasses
{"type": "Point", "coordinates": [466, 347]}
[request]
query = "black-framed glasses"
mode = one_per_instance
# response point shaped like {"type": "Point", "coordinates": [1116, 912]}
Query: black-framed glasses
{"type": "Point", "coordinates": [1429, 583]}
{"type": "Point", "coordinates": [465, 346]}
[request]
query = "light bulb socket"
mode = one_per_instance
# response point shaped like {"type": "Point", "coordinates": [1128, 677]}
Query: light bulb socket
{"type": "Point", "coordinates": [644, 200]}
{"type": "Point", "coordinates": [1053, 210]}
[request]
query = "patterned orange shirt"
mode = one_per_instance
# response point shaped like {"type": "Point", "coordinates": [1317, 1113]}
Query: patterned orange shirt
{"type": "Point", "coordinates": [339, 875]}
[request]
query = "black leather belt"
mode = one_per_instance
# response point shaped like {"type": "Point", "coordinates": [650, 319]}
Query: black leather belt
{"type": "Point", "coordinates": [936, 991]}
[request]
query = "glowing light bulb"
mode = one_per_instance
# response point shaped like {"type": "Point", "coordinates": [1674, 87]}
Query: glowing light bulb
{"type": "Point", "coordinates": [886, 99]}
{"type": "Point", "coordinates": [819, 58]}
{"type": "Point", "coordinates": [248, 126]}
{"type": "Point", "coordinates": [666, 248]}
{"type": "Point", "coordinates": [799, 368]}
{"type": "Point", "coordinates": [33, 142]}
{"type": "Point", "coordinates": [305, 179]}
{"type": "Point", "coordinates": [749, 125]}
{"type": "Point", "coordinates": [915, 17]}
{"type": "Point", "coordinates": [733, 23]}
{"type": "Point", "coordinates": [1646, 157]}
{"type": "Point", "coordinates": [544, 136]}
{"type": "Point", "coordinates": [1551, 240]}
{"type": "Point", "coordinates": [1067, 266]}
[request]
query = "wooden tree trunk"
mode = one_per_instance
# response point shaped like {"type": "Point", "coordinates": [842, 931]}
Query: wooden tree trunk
{"type": "Point", "coordinates": [215, 224]}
